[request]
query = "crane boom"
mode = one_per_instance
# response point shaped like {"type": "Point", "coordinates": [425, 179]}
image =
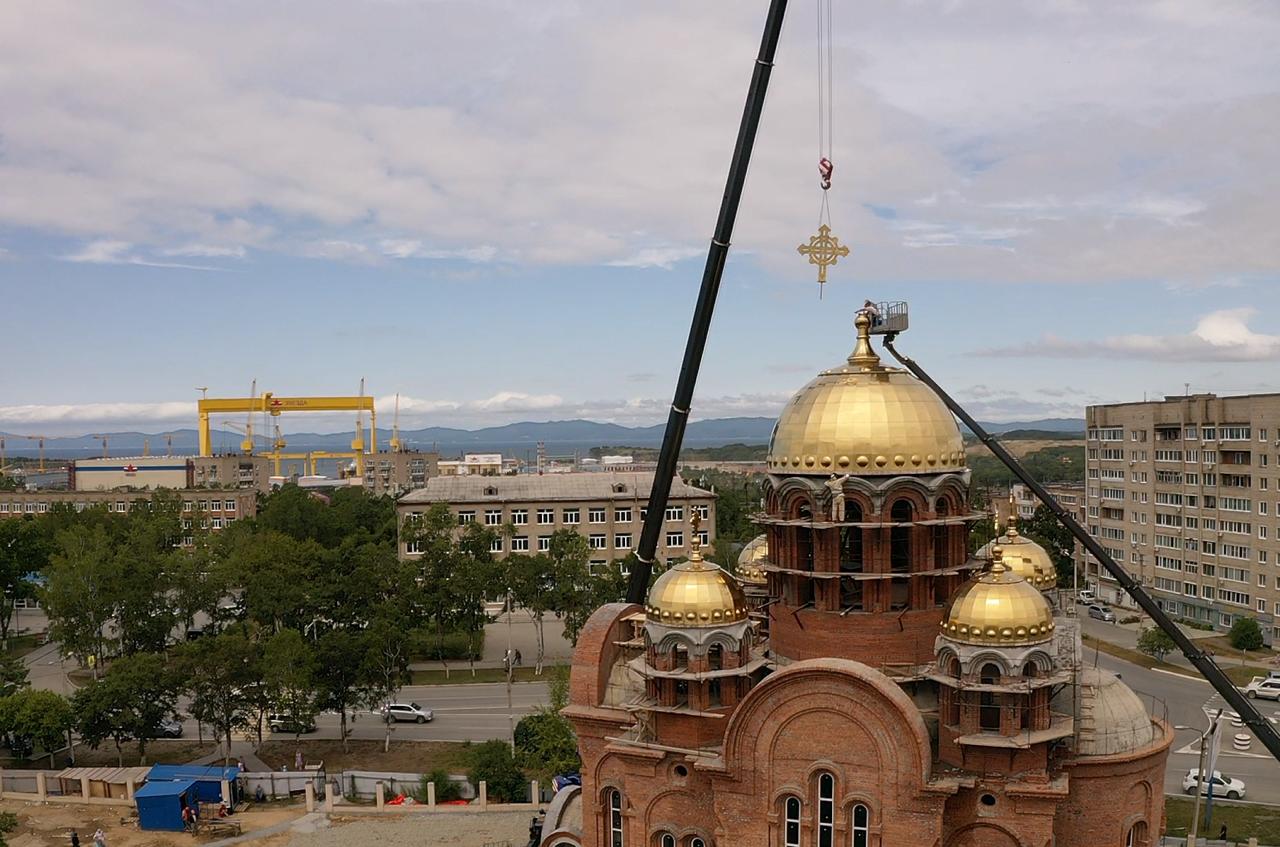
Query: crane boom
{"type": "Point", "coordinates": [273, 405]}
{"type": "Point", "coordinates": [1202, 662]}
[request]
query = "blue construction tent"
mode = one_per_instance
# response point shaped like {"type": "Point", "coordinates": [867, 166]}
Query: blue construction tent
{"type": "Point", "coordinates": [160, 803]}
{"type": "Point", "coordinates": [207, 778]}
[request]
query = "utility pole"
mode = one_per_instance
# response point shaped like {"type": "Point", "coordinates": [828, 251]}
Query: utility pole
{"type": "Point", "coordinates": [511, 666]}
{"type": "Point", "coordinates": [1195, 813]}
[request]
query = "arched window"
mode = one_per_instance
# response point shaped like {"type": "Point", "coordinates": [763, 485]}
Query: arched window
{"type": "Point", "coordinates": [826, 810]}
{"type": "Point", "coordinates": [900, 553]}
{"type": "Point", "coordinates": [988, 703]}
{"type": "Point", "coordinates": [697, 842]}
{"type": "Point", "coordinates": [715, 657]}
{"type": "Point", "coordinates": [1030, 670]}
{"type": "Point", "coordinates": [950, 696]}
{"type": "Point", "coordinates": [860, 818]}
{"type": "Point", "coordinates": [667, 840]}
{"type": "Point", "coordinates": [851, 561]}
{"type": "Point", "coordinates": [615, 818]}
{"type": "Point", "coordinates": [791, 822]}
{"type": "Point", "coordinates": [1137, 836]}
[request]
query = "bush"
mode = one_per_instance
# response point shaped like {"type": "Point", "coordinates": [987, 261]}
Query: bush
{"type": "Point", "coordinates": [493, 764]}
{"type": "Point", "coordinates": [1246, 634]}
{"type": "Point", "coordinates": [453, 648]}
{"type": "Point", "coordinates": [446, 788]}
{"type": "Point", "coordinates": [1200, 625]}
{"type": "Point", "coordinates": [1131, 619]}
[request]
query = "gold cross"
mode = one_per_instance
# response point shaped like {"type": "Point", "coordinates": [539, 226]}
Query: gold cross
{"type": "Point", "coordinates": [823, 249]}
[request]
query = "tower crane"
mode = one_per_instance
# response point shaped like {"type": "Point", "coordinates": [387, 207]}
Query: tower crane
{"type": "Point", "coordinates": [247, 444]}
{"type": "Point", "coordinates": [103, 438]}
{"type": "Point", "coordinates": [357, 443]}
{"type": "Point", "coordinates": [40, 439]}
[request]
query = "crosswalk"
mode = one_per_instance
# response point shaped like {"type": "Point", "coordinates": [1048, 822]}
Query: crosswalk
{"type": "Point", "coordinates": [1236, 733]}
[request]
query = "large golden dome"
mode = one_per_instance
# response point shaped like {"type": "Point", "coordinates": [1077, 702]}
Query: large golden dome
{"type": "Point", "coordinates": [998, 607]}
{"type": "Point", "coordinates": [694, 593]}
{"type": "Point", "coordinates": [1024, 557]}
{"type": "Point", "coordinates": [864, 418]}
{"type": "Point", "coordinates": [753, 553]}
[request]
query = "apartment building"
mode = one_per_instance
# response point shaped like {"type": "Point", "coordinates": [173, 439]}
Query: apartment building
{"type": "Point", "coordinates": [607, 508]}
{"type": "Point", "coordinates": [389, 472]}
{"type": "Point", "coordinates": [215, 509]}
{"type": "Point", "coordinates": [1183, 493]}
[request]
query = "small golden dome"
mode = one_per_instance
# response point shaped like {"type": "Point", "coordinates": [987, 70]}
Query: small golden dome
{"type": "Point", "coordinates": [864, 418]}
{"type": "Point", "coordinates": [695, 594]}
{"type": "Point", "coordinates": [998, 607]}
{"type": "Point", "coordinates": [1025, 557]}
{"type": "Point", "coordinates": [753, 553]}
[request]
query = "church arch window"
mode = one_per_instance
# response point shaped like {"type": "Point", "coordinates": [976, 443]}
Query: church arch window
{"type": "Point", "coordinates": [715, 657]}
{"type": "Point", "coordinates": [860, 826]}
{"type": "Point", "coordinates": [666, 839]}
{"type": "Point", "coordinates": [614, 799]}
{"type": "Point", "coordinates": [900, 536]}
{"type": "Point", "coordinates": [697, 841]}
{"type": "Point", "coordinates": [826, 809]}
{"type": "Point", "coordinates": [791, 822]}
{"type": "Point", "coordinates": [989, 703]}
{"type": "Point", "coordinates": [1137, 835]}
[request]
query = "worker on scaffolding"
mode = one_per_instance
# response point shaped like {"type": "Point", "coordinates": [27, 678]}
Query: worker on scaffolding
{"type": "Point", "coordinates": [872, 311]}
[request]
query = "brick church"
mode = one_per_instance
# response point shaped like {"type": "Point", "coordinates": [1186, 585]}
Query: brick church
{"type": "Point", "coordinates": [861, 680]}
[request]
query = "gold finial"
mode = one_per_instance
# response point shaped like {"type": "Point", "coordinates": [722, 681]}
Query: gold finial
{"type": "Point", "coordinates": [863, 356]}
{"type": "Point", "coordinates": [1012, 530]}
{"type": "Point", "coordinates": [695, 555]}
{"type": "Point", "coordinates": [997, 567]}
{"type": "Point", "coordinates": [997, 553]}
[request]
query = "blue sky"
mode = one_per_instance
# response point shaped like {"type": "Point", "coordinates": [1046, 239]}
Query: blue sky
{"type": "Point", "coordinates": [500, 210]}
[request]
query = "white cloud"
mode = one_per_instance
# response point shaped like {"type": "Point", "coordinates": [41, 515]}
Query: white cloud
{"type": "Point", "coordinates": [1221, 336]}
{"type": "Point", "coordinates": [97, 413]}
{"type": "Point", "coordinates": [112, 252]}
{"type": "Point", "coordinates": [233, 125]}
{"type": "Point", "coordinates": [211, 251]}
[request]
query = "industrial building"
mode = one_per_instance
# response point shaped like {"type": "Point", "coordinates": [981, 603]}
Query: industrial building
{"type": "Point", "coordinates": [216, 508]}
{"type": "Point", "coordinates": [606, 508]}
{"type": "Point", "coordinates": [1179, 492]}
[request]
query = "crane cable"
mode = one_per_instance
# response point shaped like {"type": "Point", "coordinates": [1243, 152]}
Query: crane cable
{"type": "Point", "coordinates": [826, 167]}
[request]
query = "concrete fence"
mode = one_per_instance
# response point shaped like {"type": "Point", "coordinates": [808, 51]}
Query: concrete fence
{"type": "Point", "coordinates": [43, 786]}
{"type": "Point", "coordinates": [333, 798]}
{"type": "Point", "coordinates": [278, 785]}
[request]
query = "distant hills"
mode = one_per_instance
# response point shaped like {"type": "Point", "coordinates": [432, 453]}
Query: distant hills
{"type": "Point", "coordinates": [518, 439]}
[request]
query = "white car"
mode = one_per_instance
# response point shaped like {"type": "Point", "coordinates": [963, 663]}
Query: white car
{"type": "Point", "coordinates": [411, 712]}
{"type": "Point", "coordinates": [1267, 687]}
{"type": "Point", "coordinates": [1223, 786]}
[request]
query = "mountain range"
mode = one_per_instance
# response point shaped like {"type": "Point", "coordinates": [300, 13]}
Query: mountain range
{"type": "Point", "coordinates": [560, 437]}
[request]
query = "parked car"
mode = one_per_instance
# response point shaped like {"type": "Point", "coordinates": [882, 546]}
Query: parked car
{"type": "Point", "coordinates": [412, 712]}
{"type": "Point", "coordinates": [1223, 786]}
{"type": "Point", "coordinates": [1267, 687]}
{"type": "Point", "coordinates": [1101, 612]}
{"type": "Point", "coordinates": [170, 728]}
{"type": "Point", "coordinates": [1086, 597]}
{"type": "Point", "coordinates": [281, 722]}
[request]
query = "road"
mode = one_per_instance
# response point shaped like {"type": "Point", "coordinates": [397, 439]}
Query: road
{"type": "Point", "coordinates": [1183, 701]}
{"type": "Point", "coordinates": [464, 712]}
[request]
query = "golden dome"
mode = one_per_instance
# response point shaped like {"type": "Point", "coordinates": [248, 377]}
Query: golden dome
{"type": "Point", "coordinates": [694, 593]}
{"type": "Point", "coordinates": [753, 553]}
{"type": "Point", "coordinates": [1024, 557]}
{"type": "Point", "coordinates": [998, 607]}
{"type": "Point", "coordinates": [864, 418]}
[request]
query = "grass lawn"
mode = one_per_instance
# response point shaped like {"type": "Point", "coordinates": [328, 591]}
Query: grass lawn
{"type": "Point", "coordinates": [1243, 820]}
{"type": "Point", "coordinates": [21, 645]}
{"type": "Point", "coordinates": [462, 674]}
{"type": "Point", "coordinates": [404, 756]}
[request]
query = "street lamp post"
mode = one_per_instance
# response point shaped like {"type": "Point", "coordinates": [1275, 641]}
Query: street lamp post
{"type": "Point", "coordinates": [1194, 832]}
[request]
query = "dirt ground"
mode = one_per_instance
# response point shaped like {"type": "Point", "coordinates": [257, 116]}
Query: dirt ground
{"type": "Point", "coordinates": [404, 756]}
{"type": "Point", "coordinates": [1021, 448]}
{"type": "Point", "coordinates": [51, 825]}
{"type": "Point", "coordinates": [458, 829]}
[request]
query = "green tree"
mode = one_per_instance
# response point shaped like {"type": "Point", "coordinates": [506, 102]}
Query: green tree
{"type": "Point", "coordinates": [289, 676]}
{"type": "Point", "coordinates": [221, 674]}
{"type": "Point", "coordinates": [385, 664]}
{"type": "Point", "coordinates": [493, 763]}
{"type": "Point", "coordinates": [431, 533]}
{"type": "Point", "coordinates": [13, 674]}
{"type": "Point", "coordinates": [545, 742]}
{"type": "Point", "coordinates": [43, 717]}
{"type": "Point", "coordinates": [24, 550]}
{"type": "Point", "coordinates": [339, 661]}
{"type": "Point", "coordinates": [8, 823]}
{"type": "Point", "coordinates": [1155, 642]}
{"type": "Point", "coordinates": [1245, 634]}
{"type": "Point", "coordinates": [79, 595]}
{"type": "Point", "coordinates": [278, 575]}
{"type": "Point", "coordinates": [475, 576]}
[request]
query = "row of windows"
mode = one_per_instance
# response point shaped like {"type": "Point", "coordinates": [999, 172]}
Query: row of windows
{"type": "Point", "coordinates": [596, 541]}
{"type": "Point", "coordinates": [595, 514]}
{"type": "Point", "coordinates": [33, 506]}
{"type": "Point", "coordinates": [1217, 432]}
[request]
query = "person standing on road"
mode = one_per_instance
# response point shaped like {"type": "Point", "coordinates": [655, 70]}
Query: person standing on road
{"type": "Point", "coordinates": [1222, 833]}
{"type": "Point", "coordinates": [99, 838]}
{"type": "Point", "coordinates": [75, 838]}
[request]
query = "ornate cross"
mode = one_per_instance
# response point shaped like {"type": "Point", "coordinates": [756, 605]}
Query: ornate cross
{"type": "Point", "coordinates": [823, 249]}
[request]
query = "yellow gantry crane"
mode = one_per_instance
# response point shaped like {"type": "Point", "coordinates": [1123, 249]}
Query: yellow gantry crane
{"type": "Point", "coordinates": [269, 404]}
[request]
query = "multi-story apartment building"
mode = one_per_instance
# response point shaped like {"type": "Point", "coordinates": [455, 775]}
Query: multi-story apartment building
{"type": "Point", "coordinates": [1183, 492]}
{"type": "Point", "coordinates": [390, 472]}
{"type": "Point", "coordinates": [607, 508]}
{"type": "Point", "coordinates": [215, 509]}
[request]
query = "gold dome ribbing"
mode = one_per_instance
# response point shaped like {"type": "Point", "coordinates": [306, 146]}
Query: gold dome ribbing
{"type": "Point", "coordinates": [694, 593]}
{"type": "Point", "coordinates": [864, 418]}
{"type": "Point", "coordinates": [998, 607]}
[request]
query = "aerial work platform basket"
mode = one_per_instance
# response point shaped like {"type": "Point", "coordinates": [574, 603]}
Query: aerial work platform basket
{"type": "Point", "coordinates": [892, 317]}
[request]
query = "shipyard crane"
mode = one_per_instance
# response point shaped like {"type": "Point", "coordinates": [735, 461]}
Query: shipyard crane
{"type": "Point", "coordinates": [103, 438]}
{"type": "Point", "coordinates": [40, 439]}
{"type": "Point", "coordinates": [395, 443]}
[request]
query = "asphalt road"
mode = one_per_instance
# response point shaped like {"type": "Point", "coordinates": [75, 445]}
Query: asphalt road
{"type": "Point", "coordinates": [466, 712]}
{"type": "Point", "coordinates": [1183, 701]}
